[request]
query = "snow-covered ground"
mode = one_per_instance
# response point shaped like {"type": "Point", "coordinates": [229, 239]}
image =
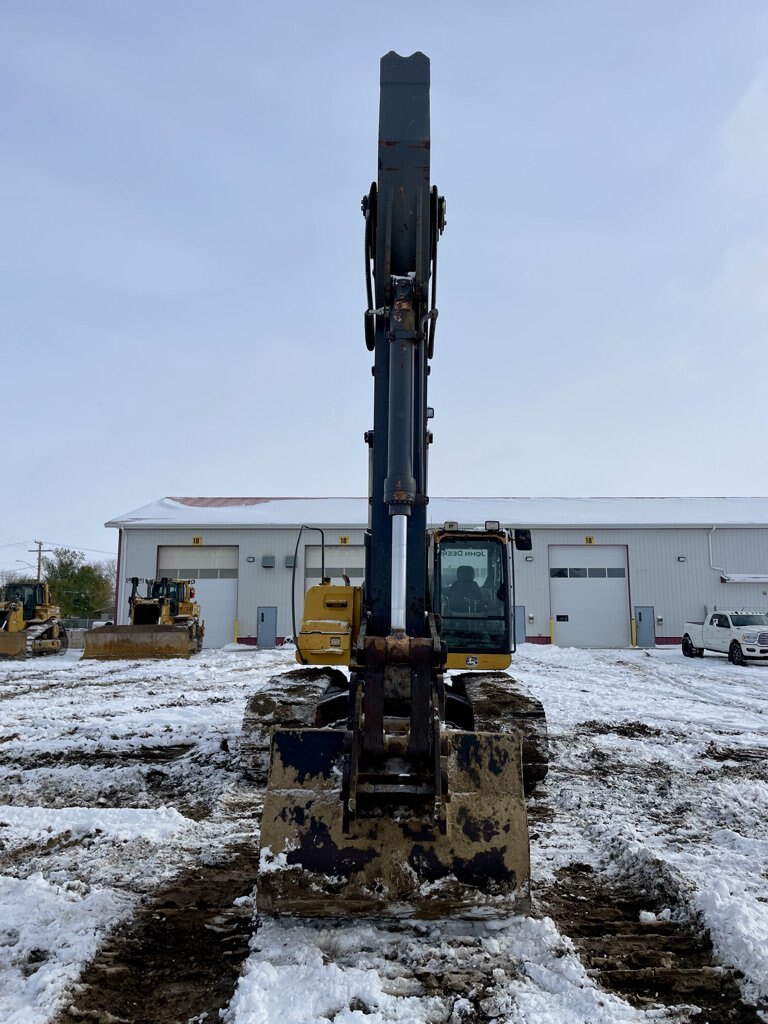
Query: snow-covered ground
{"type": "Point", "coordinates": [115, 778]}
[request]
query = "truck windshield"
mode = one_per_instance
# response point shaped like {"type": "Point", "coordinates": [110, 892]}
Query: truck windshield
{"type": "Point", "coordinates": [750, 620]}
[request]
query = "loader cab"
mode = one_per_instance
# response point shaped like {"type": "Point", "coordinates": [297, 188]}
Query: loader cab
{"type": "Point", "coordinates": [470, 591]}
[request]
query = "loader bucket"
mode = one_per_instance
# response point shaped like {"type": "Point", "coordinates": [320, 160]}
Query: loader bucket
{"type": "Point", "coordinates": [111, 643]}
{"type": "Point", "coordinates": [315, 864]}
{"type": "Point", "coordinates": [13, 645]}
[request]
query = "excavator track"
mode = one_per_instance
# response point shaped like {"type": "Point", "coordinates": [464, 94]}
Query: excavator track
{"type": "Point", "coordinates": [289, 701]}
{"type": "Point", "coordinates": [502, 704]}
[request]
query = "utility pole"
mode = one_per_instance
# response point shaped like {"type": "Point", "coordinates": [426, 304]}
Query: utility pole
{"type": "Point", "coordinates": [39, 558]}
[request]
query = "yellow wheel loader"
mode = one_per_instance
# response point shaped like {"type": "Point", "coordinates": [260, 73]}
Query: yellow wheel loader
{"type": "Point", "coordinates": [165, 622]}
{"type": "Point", "coordinates": [394, 787]}
{"type": "Point", "coordinates": [29, 624]}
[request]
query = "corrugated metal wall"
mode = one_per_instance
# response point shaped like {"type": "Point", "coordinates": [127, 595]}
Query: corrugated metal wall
{"type": "Point", "coordinates": [677, 590]}
{"type": "Point", "coordinates": [258, 586]}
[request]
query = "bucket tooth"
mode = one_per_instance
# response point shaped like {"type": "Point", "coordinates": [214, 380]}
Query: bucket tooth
{"type": "Point", "coordinates": [316, 860]}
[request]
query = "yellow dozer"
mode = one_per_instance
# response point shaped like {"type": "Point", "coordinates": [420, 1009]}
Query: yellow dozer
{"type": "Point", "coordinates": [29, 624]}
{"type": "Point", "coordinates": [164, 623]}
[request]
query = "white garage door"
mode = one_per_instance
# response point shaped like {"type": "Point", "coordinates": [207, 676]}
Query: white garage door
{"type": "Point", "coordinates": [214, 570]}
{"type": "Point", "coordinates": [589, 595]}
{"type": "Point", "coordinates": [340, 559]}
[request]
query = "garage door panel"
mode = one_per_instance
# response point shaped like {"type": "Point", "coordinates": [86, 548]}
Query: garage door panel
{"type": "Point", "coordinates": [218, 608]}
{"type": "Point", "coordinates": [214, 556]}
{"type": "Point", "coordinates": [214, 570]}
{"type": "Point", "coordinates": [589, 597]}
{"type": "Point", "coordinates": [340, 560]}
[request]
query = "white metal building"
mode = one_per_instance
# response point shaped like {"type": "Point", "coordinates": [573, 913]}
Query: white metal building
{"type": "Point", "coordinates": [603, 572]}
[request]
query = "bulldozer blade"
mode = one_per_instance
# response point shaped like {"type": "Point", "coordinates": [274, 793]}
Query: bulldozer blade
{"type": "Point", "coordinates": [474, 863]}
{"type": "Point", "coordinates": [13, 645]}
{"type": "Point", "coordinates": [112, 643]}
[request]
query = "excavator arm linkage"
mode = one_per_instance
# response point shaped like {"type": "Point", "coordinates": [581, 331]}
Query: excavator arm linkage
{"type": "Point", "coordinates": [392, 803]}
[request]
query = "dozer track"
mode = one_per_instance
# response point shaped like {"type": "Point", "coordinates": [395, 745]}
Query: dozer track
{"type": "Point", "coordinates": [113, 643]}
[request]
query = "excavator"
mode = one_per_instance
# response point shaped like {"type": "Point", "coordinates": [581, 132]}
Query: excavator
{"type": "Point", "coordinates": [164, 623]}
{"type": "Point", "coordinates": [30, 625]}
{"type": "Point", "coordinates": [395, 785]}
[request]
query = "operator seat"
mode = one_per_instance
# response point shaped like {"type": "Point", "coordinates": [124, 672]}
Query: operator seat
{"type": "Point", "coordinates": [465, 595]}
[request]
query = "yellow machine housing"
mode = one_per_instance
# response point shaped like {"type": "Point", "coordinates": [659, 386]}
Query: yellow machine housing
{"type": "Point", "coordinates": [330, 625]}
{"type": "Point", "coordinates": [477, 627]}
{"type": "Point", "coordinates": [29, 623]}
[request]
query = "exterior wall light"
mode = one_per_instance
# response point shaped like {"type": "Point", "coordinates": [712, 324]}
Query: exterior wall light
{"type": "Point", "coordinates": [529, 558]}
{"type": "Point", "coordinates": [681, 558]}
{"type": "Point", "coordinates": [250, 558]}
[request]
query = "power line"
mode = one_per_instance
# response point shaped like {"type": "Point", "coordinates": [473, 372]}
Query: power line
{"type": "Point", "coordinates": [77, 547]}
{"type": "Point", "coordinates": [72, 547]}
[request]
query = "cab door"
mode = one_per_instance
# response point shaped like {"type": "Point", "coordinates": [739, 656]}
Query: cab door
{"type": "Point", "coordinates": [716, 632]}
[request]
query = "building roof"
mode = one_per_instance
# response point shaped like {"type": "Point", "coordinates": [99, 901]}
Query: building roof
{"type": "Point", "coordinates": [524, 512]}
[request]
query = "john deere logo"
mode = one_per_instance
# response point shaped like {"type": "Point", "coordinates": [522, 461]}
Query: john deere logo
{"type": "Point", "coordinates": [335, 641]}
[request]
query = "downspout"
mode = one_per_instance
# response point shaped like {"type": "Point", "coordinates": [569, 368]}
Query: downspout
{"type": "Point", "coordinates": [711, 566]}
{"type": "Point", "coordinates": [117, 573]}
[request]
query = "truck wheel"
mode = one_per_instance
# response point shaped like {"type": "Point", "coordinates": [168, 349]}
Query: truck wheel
{"type": "Point", "coordinates": [689, 651]}
{"type": "Point", "coordinates": [736, 655]}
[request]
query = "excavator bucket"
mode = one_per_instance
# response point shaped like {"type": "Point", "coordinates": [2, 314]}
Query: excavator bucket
{"type": "Point", "coordinates": [470, 859]}
{"type": "Point", "coordinates": [113, 643]}
{"type": "Point", "coordinates": [13, 645]}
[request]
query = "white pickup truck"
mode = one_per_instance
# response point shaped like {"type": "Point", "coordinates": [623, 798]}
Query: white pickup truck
{"type": "Point", "coordinates": [743, 636]}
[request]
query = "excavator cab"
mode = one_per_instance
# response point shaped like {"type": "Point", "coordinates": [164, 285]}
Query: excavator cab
{"type": "Point", "coordinates": [470, 587]}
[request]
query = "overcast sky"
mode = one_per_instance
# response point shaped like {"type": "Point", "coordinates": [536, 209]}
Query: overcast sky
{"type": "Point", "coordinates": [182, 275]}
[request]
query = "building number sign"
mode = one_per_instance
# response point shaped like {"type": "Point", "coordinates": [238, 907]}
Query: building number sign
{"type": "Point", "coordinates": [197, 541]}
{"type": "Point", "coordinates": [589, 539]}
{"type": "Point", "coordinates": [343, 540]}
